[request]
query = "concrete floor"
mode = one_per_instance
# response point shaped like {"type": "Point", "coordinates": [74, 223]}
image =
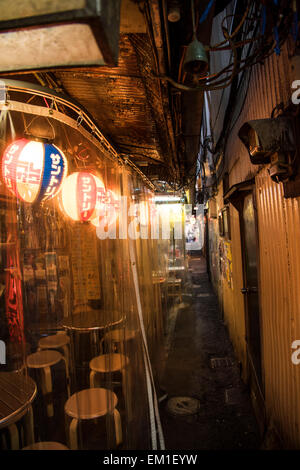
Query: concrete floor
{"type": "Point", "coordinates": [195, 335]}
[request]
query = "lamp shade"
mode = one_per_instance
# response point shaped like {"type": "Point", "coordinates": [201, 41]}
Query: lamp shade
{"type": "Point", "coordinates": [49, 34]}
{"type": "Point", "coordinates": [33, 171]}
{"type": "Point", "coordinates": [82, 195]}
{"type": "Point", "coordinates": [196, 61]}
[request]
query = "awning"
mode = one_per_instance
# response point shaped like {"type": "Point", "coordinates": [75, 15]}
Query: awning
{"type": "Point", "coordinates": [236, 192]}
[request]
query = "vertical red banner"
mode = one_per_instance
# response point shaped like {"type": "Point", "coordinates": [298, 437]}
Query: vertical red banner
{"type": "Point", "coordinates": [13, 296]}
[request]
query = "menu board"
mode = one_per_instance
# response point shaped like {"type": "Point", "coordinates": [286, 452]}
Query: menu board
{"type": "Point", "coordinates": [86, 282]}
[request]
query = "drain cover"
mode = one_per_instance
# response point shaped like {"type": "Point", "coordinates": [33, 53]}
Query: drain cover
{"type": "Point", "coordinates": [218, 362]}
{"type": "Point", "coordinates": [183, 406]}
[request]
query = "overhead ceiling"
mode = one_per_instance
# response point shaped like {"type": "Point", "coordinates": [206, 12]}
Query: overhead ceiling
{"type": "Point", "coordinates": [125, 101]}
{"type": "Point", "coordinates": [156, 126]}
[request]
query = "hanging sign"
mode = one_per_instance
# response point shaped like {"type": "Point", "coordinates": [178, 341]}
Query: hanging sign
{"type": "Point", "coordinates": [82, 195]}
{"type": "Point", "coordinates": [33, 171]}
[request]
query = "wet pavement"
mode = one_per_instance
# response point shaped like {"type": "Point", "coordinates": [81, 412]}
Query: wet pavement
{"type": "Point", "coordinates": [200, 363]}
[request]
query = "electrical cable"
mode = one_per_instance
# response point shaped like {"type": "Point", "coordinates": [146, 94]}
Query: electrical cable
{"type": "Point", "coordinates": [258, 56]}
{"type": "Point", "coordinates": [206, 12]}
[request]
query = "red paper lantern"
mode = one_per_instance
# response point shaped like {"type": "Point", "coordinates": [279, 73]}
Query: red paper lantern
{"type": "Point", "coordinates": [82, 195]}
{"type": "Point", "coordinates": [33, 171]}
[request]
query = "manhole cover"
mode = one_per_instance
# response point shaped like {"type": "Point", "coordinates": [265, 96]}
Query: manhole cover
{"type": "Point", "coordinates": [183, 406]}
{"type": "Point", "coordinates": [218, 362]}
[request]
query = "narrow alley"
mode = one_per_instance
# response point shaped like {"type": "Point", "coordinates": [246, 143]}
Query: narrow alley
{"type": "Point", "coordinates": [149, 228]}
{"type": "Point", "coordinates": [201, 365]}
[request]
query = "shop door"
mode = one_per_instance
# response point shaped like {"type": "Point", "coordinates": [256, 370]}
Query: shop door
{"type": "Point", "coordinates": [250, 289]}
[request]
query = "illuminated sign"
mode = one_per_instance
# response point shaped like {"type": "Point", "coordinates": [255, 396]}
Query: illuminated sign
{"type": "Point", "coordinates": [82, 195]}
{"type": "Point", "coordinates": [33, 171]}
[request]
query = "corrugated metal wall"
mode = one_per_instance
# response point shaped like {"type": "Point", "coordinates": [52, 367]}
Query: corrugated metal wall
{"type": "Point", "coordinates": [279, 240]}
{"type": "Point", "coordinates": [279, 230]}
{"type": "Point", "coordinates": [269, 85]}
{"type": "Point", "coordinates": [230, 296]}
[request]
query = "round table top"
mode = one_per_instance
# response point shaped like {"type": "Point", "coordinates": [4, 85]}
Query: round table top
{"type": "Point", "coordinates": [17, 392]}
{"type": "Point", "coordinates": [158, 280]}
{"type": "Point", "coordinates": [109, 362]}
{"type": "Point", "coordinates": [90, 320]}
{"type": "Point", "coordinates": [44, 358]}
{"type": "Point", "coordinates": [174, 280]}
{"type": "Point", "coordinates": [91, 403]}
{"type": "Point", "coordinates": [120, 335]}
{"type": "Point", "coordinates": [47, 445]}
{"type": "Point", "coordinates": [54, 341]}
{"type": "Point", "coordinates": [46, 326]}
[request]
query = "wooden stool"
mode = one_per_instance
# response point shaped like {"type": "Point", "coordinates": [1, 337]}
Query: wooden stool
{"type": "Point", "coordinates": [58, 341]}
{"type": "Point", "coordinates": [92, 403]}
{"type": "Point", "coordinates": [174, 288]}
{"type": "Point", "coordinates": [46, 446]}
{"type": "Point", "coordinates": [108, 364]}
{"type": "Point", "coordinates": [44, 360]}
{"type": "Point", "coordinates": [116, 339]}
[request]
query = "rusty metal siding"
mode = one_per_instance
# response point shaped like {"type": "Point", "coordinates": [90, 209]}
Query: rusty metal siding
{"type": "Point", "coordinates": [269, 85]}
{"type": "Point", "coordinates": [230, 297]}
{"type": "Point", "coordinates": [279, 230]}
{"type": "Point", "coordinates": [279, 253]}
{"type": "Point", "coordinates": [126, 102]}
{"type": "Point", "coordinates": [234, 313]}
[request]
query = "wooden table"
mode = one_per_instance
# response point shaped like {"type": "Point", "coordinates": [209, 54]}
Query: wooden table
{"type": "Point", "coordinates": [94, 323]}
{"type": "Point", "coordinates": [176, 268]}
{"type": "Point", "coordinates": [17, 392]}
{"type": "Point", "coordinates": [89, 321]}
{"type": "Point", "coordinates": [158, 279]}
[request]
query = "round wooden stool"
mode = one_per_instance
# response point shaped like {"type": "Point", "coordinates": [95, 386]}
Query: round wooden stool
{"type": "Point", "coordinates": [58, 341]}
{"type": "Point", "coordinates": [46, 446]}
{"type": "Point", "coordinates": [92, 403]}
{"type": "Point", "coordinates": [116, 339]}
{"type": "Point", "coordinates": [43, 360]}
{"type": "Point", "coordinates": [110, 364]}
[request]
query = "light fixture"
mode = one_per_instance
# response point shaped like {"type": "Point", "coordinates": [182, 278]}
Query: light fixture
{"type": "Point", "coordinates": [81, 195]}
{"type": "Point", "coordinates": [33, 171]}
{"type": "Point", "coordinates": [67, 33]}
{"type": "Point", "coordinates": [272, 140]}
{"type": "Point", "coordinates": [195, 61]}
{"type": "Point", "coordinates": [174, 11]}
{"type": "Point", "coordinates": [167, 199]}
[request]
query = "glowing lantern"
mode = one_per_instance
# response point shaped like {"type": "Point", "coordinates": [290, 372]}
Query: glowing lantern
{"type": "Point", "coordinates": [106, 210]}
{"type": "Point", "coordinates": [82, 195]}
{"type": "Point", "coordinates": [33, 171]}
